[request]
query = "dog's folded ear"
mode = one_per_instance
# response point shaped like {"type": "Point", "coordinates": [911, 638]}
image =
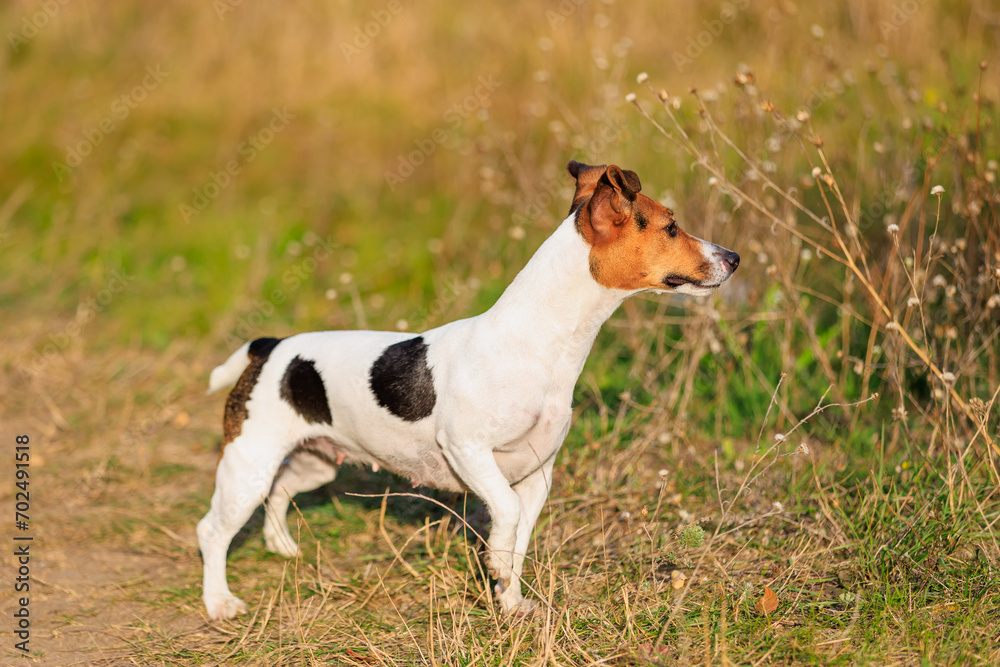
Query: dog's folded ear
{"type": "Point", "coordinates": [625, 182]}
{"type": "Point", "coordinates": [606, 204]}
{"type": "Point", "coordinates": [618, 188]}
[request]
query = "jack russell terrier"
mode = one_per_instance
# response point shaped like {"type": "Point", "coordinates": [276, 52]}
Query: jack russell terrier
{"type": "Point", "coordinates": [482, 404]}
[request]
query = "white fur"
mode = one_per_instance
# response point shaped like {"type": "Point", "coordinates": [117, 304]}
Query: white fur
{"type": "Point", "coordinates": [721, 271]}
{"type": "Point", "coordinates": [229, 372]}
{"type": "Point", "coordinates": [504, 384]}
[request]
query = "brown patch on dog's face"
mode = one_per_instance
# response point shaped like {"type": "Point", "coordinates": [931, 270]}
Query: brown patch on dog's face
{"type": "Point", "coordinates": [635, 241]}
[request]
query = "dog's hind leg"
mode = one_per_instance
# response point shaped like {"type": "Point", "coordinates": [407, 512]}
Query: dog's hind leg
{"type": "Point", "coordinates": [242, 481]}
{"type": "Point", "coordinates": [305, 471]}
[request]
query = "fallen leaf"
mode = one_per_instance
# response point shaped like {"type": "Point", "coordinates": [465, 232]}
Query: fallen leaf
{"type": "Point", "coordinates": [768, 603]}
{"type": "Point", "coordinates": [351, 653]}
{"type": "Point", "coordinates": [649, 650]}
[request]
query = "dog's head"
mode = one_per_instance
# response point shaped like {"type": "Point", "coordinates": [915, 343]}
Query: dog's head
{"type": "Point", "coordinates": [635, 243]}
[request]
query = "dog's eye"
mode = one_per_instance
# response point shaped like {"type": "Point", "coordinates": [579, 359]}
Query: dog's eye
{"type": "Point", "coordinates": [671, 229]}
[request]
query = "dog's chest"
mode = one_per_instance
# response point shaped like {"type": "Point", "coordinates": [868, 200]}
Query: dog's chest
{"type": "Point", "coordinates": [527, 452]}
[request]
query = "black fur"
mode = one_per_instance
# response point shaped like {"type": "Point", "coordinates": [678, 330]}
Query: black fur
{"type": "Point", "coordinates": [402, 381]}
{"type": "Point", "coordinates": [261, 348]}
{"type": "Point", "coordinates": [640, 219]}
{"type": "Point", "coordinates": [303, 389]}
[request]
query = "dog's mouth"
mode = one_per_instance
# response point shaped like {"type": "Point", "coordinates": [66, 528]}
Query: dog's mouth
{"type": "Point", "coordinates": [688, 285]}
{"type": "Point", "coordinates": [674, 280]}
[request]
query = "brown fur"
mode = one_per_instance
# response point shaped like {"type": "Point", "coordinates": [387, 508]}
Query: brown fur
{"type": "Point", "coordinates": [629, 233]}
{"type": "Point", "coordinates": [236, 405]}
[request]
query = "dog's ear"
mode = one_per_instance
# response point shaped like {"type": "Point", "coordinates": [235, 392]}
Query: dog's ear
{"type": "Point", "coordinates": [609, 206]}
{"type": "Point", "coordinates": [626, 185]}
{"type": "Point", "coordinates": [574, 168]}
{"type": "Point", "coordinates": [586, 180]}
{"type": "Point", "coordinates": [625, 181]}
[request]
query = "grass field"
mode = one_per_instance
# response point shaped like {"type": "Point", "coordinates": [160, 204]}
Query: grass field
{"type": "Point", "coordinates": [178, 178]}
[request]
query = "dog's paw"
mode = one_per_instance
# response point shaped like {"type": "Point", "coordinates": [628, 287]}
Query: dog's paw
{"type": "Point", "coordinates": [525, 607]}
{"type": "Point", "coordinates": [517, 606]}
{"type": "Point", "coordinates": [282, 545]}
{"type": "Point", "coordinates": [492, 564]}
{"type": "Point", "coordinates": [508, 593]}
{"type": "Point", "coordinates": [225, 607]}
{"type": "Point", "coordinates": [496, 566]}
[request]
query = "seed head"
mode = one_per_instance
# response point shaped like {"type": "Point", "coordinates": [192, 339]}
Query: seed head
{"type": "Point", "coordinates": [642, 78]}
{"type": "Point", "coordinates": [691, 536]}
{"type": "Point", "coordinates": [978, 408]}
{"type": "Point", "coordinates": [937, 190]}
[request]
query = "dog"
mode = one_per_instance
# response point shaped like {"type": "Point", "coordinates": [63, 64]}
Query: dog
{"type": "Point", "coordinates": [479, 405]}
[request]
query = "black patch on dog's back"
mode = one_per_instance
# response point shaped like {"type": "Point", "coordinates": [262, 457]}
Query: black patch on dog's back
{"type": "Point", "coordinates": [402, 381]}
{"type": "Point", "coordinates": [236, 405]}
{"type": "Point", "coordinates": [303, 389]}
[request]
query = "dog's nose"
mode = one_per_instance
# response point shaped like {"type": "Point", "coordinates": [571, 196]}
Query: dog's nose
{"type": "Point", "coordinates": [733, 260]}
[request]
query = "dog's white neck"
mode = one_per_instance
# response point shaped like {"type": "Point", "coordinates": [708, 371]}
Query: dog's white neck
{"type": "Point", "coordinates": [554, 307]}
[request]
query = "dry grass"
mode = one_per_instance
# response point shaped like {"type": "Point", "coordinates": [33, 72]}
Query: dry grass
{"type": "Point", "coordinates": [826, 425]}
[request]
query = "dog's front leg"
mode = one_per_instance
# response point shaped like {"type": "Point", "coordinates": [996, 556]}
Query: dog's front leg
{"type": "Point", "coordinates": [475, 465]}
{"type": "Point", "coordinates": [532, 491]}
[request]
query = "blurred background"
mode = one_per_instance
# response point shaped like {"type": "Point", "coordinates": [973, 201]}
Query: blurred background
{"type": "Point", "coordinates": [177, 178]}
{"type": "Point", "coordinates": [252, 169]}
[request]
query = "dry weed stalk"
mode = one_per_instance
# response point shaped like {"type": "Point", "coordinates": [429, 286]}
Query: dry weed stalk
{"type": "Point", "coordinates": [853, 260]}
{"type": "Point", "coordinates": [848, 251]}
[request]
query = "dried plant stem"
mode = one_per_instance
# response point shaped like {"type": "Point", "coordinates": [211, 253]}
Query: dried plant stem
{"type": "Point", "coordinates": [845, 257]}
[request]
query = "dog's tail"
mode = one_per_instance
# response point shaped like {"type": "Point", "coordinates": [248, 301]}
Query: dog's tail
{"type": "Point", "coordinates": [229, 372]}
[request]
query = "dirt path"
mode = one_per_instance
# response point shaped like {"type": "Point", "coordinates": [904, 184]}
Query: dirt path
{"type": "Point", "coordinates": [119, 469]}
